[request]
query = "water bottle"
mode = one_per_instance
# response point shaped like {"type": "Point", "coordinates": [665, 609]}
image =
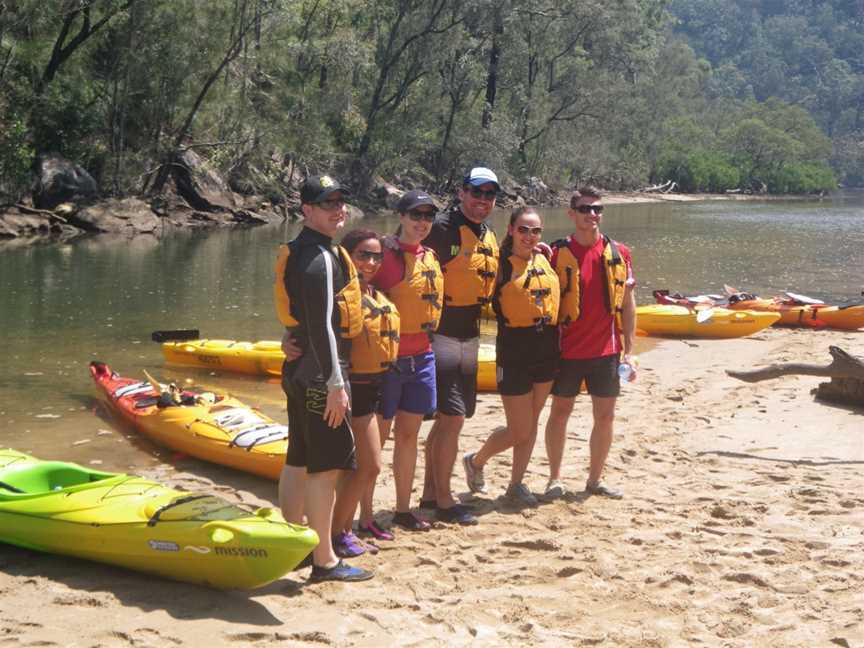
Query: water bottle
{"type": "Point", "coordinates": [626, 369]}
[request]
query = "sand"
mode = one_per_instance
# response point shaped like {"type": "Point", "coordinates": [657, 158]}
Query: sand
{"type": "Point", "coordinates": [742, 525]}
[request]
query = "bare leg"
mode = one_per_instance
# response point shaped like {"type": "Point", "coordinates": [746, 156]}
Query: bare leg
{"type": "Point", "coordinates": [292, 493]}
{"type": "Point", "coordinates": [446, 449]}
{"type": "Point", "coordinates": [429, 458]}
{"type": "Point", "coordinates": [367, 510]}
{"type": "Point", "coordinates": [405, 434]}
{"type": "Point", "coordinates": [524, 417]}
{"type": "Point", "coordinates": [601, 435]}
{"type": "Point", "coordinates": [320, 497]}
{"type": "Point", "coordinates": [556, 433]}
{"type": "Point", "coordinates": [368, 446]}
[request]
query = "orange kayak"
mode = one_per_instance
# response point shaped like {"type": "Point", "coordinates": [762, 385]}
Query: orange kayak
{"type": "Point", "coordinates": [794, 310]}
{"type": "Point", "coordinates": [848, 318]}
{"type": "Point", "coordinates": [221, 429]}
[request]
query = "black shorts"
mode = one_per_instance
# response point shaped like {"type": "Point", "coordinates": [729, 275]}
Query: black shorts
{"type": "Point", "coordinates": [312, 443]}
{"type": "Point", "coordinates": [601, 375]}
{"type": "Point", "coordinates": [365, 397]}
{"type": "Point", "coordinates": [520, 380]}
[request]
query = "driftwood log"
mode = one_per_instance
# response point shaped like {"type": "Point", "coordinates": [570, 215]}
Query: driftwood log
{"type": "Point", "coordinates": [845, 370]}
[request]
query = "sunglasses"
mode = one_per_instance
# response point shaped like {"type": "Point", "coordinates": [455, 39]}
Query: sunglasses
{"type": "Point", "coordinates": [366, 255]}
{"type": "Point", "coordinates": [331, 205]}
{"type": "Point", "coordinates": [421, 214]}
{"type": "Point", "coordinates": [587, 209]}
{"type": "Point", "coordinates": [479, 193]}
{"type": "Point", "coordinates": [533, 231]}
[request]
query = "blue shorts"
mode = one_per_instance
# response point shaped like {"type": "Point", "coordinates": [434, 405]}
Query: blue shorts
{"type": "Point", "coordinates": [409, 386]}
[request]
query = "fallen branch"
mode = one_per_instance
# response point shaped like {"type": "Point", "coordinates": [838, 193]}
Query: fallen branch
{"type": "Point", "coordinates": [24, 209]}
{"type": "Point", "coordinates": [843, 365]}
{"type": "Point", "coordinates": [664, 187]}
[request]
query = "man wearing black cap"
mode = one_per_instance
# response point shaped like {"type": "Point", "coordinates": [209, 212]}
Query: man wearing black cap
{"type": "Point", "coordinates": [317, 298]}
{"type": "Point", "coordinates": [468, 253]}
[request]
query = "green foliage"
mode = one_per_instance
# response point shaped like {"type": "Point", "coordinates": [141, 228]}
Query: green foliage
{"type": "Point", "coordinates": [16, 156]}
{"type": "Point", "coordinates": [698, 171]}
{"type": "Point", "coordinates": [804, 53]}
{"type": "Point", "coordinates": [716, 94]}
{"type": "Point", "coordinates": [801, 178]}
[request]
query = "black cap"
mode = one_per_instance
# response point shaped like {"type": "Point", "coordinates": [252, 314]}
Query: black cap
{"type": "Point", "coordinates": [414, 199]}
{"type": "Point", "coordinates": [318, 188]}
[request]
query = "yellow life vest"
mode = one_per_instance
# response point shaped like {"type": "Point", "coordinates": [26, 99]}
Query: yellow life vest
{"type": "Point", "coordinates": [377, 346]}
{"type": "Point", "coordinates": [347, 300]}
{"type": "Point", "coordinates": [567, 268]}
{"type": "Point", "coordinates": [419, 296]}
{"type": "Point", "coordinates": [469, 277]}
{"type": "Point", "coordinates": [528, 293]}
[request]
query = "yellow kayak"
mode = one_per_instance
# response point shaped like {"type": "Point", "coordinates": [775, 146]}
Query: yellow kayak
{"type": "Point", "coordinates": [64, 508]}
{"type": "Point", "coordinates": [225, 431]}
{"type": "Point", "coordinates": [255, 358]}
{"type": "Point", "coordinates": [679, 321]}
{"type": "Point", "coordinates": [486, 378]}
{"type": "Point", "coordinates": [266, 357]}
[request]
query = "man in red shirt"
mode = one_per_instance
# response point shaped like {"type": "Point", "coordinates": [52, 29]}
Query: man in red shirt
{"type": "Point", "coordinates": [598, 324]}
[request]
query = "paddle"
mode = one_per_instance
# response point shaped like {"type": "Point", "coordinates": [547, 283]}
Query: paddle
{"type": "Point", "coordinates": [804, 299]}
{"type": "Point", "coordinates": [178, 335]}
{"type": "Point", "coordinates": [704, 315]}
{"type": "Point", "coordinates": [157, 388]}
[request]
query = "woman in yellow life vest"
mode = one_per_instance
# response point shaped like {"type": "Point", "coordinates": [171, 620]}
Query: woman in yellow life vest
{"type": "Point", "coordinates": [412, 279]}
{"type": "Point", "coordinates": [526, 302]}
{"type": "Point", "coordinates": [373, 352]}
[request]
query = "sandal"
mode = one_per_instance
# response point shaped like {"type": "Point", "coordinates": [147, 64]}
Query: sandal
{"type": "Point", "coordinates": [411, 522]}
{"type": "Point", "coordinates": [372, 529]}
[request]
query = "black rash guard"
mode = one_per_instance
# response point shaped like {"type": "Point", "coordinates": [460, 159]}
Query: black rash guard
{"type": "Point", "coordinates": [456, 321]}
{"type": "Point", "coordinates": [309, 284]}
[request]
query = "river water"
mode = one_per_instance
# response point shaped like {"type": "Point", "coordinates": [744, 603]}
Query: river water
{"type": "Point", "coordinates": [62, 306]}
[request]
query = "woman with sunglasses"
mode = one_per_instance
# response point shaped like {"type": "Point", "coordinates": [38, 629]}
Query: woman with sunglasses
{"type": "Point", "coordinates": [525, 301]}
{"type": "Point", "coordinates": [372, 353]}
{"type": "Point", "coordinates": [412, 279]}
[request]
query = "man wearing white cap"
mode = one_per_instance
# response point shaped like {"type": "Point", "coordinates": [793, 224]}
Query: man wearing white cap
{"type": "Point", "coordinates": [468, 253]}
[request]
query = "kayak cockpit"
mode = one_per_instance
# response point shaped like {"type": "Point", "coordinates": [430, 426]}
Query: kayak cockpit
{"type": "Point", "coordinates": [49, 477]}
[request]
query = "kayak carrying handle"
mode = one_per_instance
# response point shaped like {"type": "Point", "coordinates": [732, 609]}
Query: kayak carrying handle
{"type": "Point", "coordinates": [178, 335]}
{"type": "Point", "coordinates": [183, 500]}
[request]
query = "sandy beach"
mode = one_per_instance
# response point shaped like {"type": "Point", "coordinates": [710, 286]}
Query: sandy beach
{"type": "Point", "coordinates": [742, 525]}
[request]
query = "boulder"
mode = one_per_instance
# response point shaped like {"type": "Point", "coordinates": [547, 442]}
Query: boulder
{"type": "Point", "coordinates": [58, 181]}
{"type": "Point", "coordinates": [199, 184]}
{"type": "Point", "coordinates": [387, 193]}
{"type": "Point", "coordinates": [127, 216]}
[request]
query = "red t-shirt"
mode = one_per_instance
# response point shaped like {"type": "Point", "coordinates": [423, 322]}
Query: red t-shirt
{"type": "Point", "coordinates": [595, 333]}
{"type": "Point", "coordinates": [390, 273]}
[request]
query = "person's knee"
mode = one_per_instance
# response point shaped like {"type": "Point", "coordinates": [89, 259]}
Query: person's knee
{"type": "Point", "coordinates": [369, 471]}
{"type": "Point", "coordinates": [605, 419]}
{"type": "Point", "coordinates": [523, 436]}
{"type": "Point", "coordinates": [561, 408]}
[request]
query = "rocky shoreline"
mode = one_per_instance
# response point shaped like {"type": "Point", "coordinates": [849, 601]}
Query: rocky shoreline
{"type": "Point", "coordinates": [66, 203]}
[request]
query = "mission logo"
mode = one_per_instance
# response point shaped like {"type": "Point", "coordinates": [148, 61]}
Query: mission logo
{"type": "Point", "coordinates": [243, 552]}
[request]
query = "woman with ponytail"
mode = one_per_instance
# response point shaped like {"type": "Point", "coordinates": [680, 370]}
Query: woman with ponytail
{"type": "Point", "coordinates": [526, 303]}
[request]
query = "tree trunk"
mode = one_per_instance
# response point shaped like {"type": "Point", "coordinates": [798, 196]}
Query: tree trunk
{"type": "Point", "coordinates": [846, 373]}
{"type": "Point", "coordinates": [492, 76]}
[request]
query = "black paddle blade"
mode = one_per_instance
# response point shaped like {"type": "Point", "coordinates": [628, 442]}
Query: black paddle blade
{"type": "Point", "coordinates": [180, 335]}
